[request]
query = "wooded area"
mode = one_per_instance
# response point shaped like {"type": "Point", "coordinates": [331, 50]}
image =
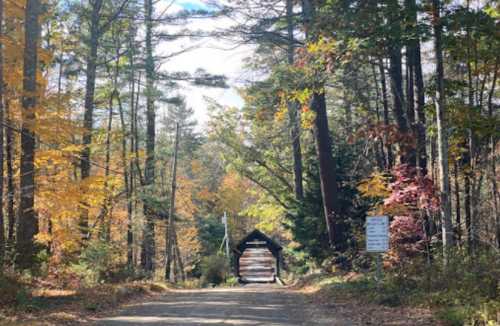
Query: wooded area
{"type": "Point", "coordinates": [360, 108]}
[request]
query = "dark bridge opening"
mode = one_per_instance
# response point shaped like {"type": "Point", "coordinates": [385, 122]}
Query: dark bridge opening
{"type": "Point", "coordinates": [258, 258]}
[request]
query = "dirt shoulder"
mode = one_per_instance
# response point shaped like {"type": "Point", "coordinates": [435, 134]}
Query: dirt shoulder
{"type": "Point", "coordinates": [336, 297]}
{"type": "Point", "coordinates": [71, 307]}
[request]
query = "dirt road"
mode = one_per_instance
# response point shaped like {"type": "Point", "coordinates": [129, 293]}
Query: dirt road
{"type": "Point", "coordinates": [249, 305]}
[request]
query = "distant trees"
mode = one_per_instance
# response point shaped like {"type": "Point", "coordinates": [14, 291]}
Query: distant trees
{"type": "Point", "coordinates": [344, 121]}
{"type": "Point", "coordinates": [357, 68]}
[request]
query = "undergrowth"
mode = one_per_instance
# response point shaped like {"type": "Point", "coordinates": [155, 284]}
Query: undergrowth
{"type": "Point", "coordinates": [466, 292]}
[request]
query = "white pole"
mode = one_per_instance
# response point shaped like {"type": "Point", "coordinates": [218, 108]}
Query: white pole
{"type": "Point", "coordinates": [226, 235]}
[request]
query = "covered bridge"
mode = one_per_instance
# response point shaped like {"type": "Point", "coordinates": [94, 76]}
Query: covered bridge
{"type": "Point", "coordinates": [257, 258]}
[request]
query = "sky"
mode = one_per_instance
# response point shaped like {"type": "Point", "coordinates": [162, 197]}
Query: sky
{"type": "Point", "coordinates": [213, 55]}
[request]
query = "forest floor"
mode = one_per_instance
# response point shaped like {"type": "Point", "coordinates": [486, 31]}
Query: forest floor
{"type": "Point", "coordinates": [266, 305]}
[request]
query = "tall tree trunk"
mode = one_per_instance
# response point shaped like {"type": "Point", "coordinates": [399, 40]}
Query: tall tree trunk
{"type": "Point", "coordinates": [493, 159]}
{"type": "Point", "coordinates": [467, 210]}
{"type": "Point", "coordinates": [396, 74]}
{"type": "Point", "coordinates": [293, 113]}
{"type": "Point", "coordinates": [2, 113]}
{"type": "Point", "coordinates": [458, 215]}
{"type": "Point", "coordinates": [131, 188]}
{"type": "Point", "coordinates": [88, 118]}
{"type": "Point", "coordinates": [468, 155]}
{"type": "Point", "coordinates": [411, 48]}
{"type": "Point", "coordinates": [385, 102]}
{"type": "Point", "coordinates": [171, 235]}
{"type": "Point", "coordinates": [11, 217]}
{"type": "Point", "coordinates": [442, 133]}
{"type": "Point", "coordinates": [327, 173]}
{"type": "Point", "coordinates": [148, 245]}
{"type": "Point", "coordinates": [180, 264]}
{"type": "Point", "coordinates": [27, 226]}
{"type": "Point", "coordinates": [107, 202]}
{"type": "Point", "coordinates": [127, 179]}
{"type": "Point", "coordinates": [420, 127]}
{"type": "Point", "coordinates": [382, 156]}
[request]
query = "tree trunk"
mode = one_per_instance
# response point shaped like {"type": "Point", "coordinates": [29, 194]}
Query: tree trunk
{"type": "Point", "coordinates": [493, 159]}
{"type": "Point", "coordinates": [442, 134]}
{"type": "Point", "coordinates": [88, 118]}
{"type": "Point", "coordinates": [467, 209]}
{"type": "Point", "coordinates": [411, 13]}
{"type": "Point", "coordinates": [385, 101]}
{"type": "Point", "coordinates": [10, 180]}
{"type": "Point", "coordinates": [148, 245]}
{"type": "Point", "coordinates": [2, 113]}
{"type": "Point", "coordinates": [107, 202]}
{"type": "Point", "coordinates": [396, 74]}
{"type": "Point", "coordinates": [293, 113]}
{"type": "Point", "coordinates": [382, 157]}
{"type": "Point", "coordinates": [27, 226]}
{"type": "Point", "coordinates": [170, 236]}
{"type": "Point", "coordinates": [179, 259]}
{"type": "Point", "coordinates": [131, 188]}
{"type": "Point", "coordinates": [420, 126]}
{"type": "Point", "coordinates": [127, 179]}
{"type": "Point", "coordinates": [327, 174]}
{"type": "Point", "coordinates": [458, 215]}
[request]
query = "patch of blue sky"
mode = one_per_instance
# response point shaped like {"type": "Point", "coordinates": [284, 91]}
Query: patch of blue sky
{"type": "Point", "coordinates": [194, 5]}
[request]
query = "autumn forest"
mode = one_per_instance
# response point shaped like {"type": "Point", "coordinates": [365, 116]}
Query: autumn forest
{"type": "Point", "coordinates": [113, 177]}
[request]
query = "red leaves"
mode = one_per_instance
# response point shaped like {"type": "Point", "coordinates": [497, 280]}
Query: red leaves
{"type": "Point", "coordinates": [417, 195]}
{"type": "Point", "coordinates": [413, 190]}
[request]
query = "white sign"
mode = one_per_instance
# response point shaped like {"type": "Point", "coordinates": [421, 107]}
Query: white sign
{"type": "Point", "coordinates": [377, 233]}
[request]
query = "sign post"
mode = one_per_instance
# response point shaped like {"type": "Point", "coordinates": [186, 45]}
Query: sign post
{"type": "Point", "coordinates": [377, 239]}
{"type": "Point", "coordinates": [226, 235]}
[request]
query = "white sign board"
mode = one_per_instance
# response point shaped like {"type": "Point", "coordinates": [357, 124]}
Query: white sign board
{"type": "Point", "coordinates": [377, 233]}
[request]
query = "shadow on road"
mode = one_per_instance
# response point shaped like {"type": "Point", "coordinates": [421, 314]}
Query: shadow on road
{"type": "Point", "coordinates": [242, 306]}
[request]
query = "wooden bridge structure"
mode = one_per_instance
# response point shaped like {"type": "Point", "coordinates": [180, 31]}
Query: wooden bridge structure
{"type": "Point", "coordinates": [257, 258]}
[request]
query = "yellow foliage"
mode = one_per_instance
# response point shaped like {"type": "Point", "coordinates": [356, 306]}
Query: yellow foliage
{"type": "Point", "coordinates": [375, 187]}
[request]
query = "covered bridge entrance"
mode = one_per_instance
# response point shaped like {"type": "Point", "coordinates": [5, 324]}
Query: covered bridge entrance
{"type": "Point", "coordinates": [258, 258]}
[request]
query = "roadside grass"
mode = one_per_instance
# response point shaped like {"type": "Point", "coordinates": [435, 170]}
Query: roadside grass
{"type": "Point", "coordinates": [23, 304]}
{"type": "Point", "coordinates": [465, 293]}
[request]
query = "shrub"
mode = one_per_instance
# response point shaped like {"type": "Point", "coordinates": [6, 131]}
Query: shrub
{"type": "Point", "coordinates": [214, 270]}
{"type": "Point", "coordinates": [231, 281]}
{"type": "Point", "coordinates": [95, 264]}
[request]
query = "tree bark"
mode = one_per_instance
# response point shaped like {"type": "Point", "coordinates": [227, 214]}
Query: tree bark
{"type": "Point", "coordinates": [396, 74]}
{"type": "Point", "coordinates": [327, 173]}
{"type": "Point", "coordinates": [9, 137]}
{"type": "Point", "coordinates": [458, 215]}
{"type": "Point", "coordinates": [420, 114]}
{"type": "Point", "coordinates": [2, 114]}
{"type": "Point", "coordinates": [493, 159]}
{"type": "Point", "coordinates": [171, 235]}
{"type": "Point", "coordinates": [130, 182]}
{"type": "Point", "coordinates": [293, 113]}
{"type": "Point", "coordinates": [105, 232]}
{"type": "Point", "coordinates": [28, 221]}
{"type": "Point", "coordinates": [148, 245]}
{"type": "Point", "coordinates": [380, 149]}
{"type": "Point", "coordinates": [328, 182]}
{"type": "Point", "coordinates": [88, 118]}
{"type": "Point", "coordinates": [385, 102]}
{"type": "Point", "coordinates": [442, 134]}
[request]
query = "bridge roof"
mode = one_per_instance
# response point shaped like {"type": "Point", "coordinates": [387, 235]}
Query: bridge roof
{"type": "Point", "coordinates": [257, 235]}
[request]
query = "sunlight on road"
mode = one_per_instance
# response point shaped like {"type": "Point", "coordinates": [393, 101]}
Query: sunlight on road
{"type": "Point", "coordinates": [266, 306]}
